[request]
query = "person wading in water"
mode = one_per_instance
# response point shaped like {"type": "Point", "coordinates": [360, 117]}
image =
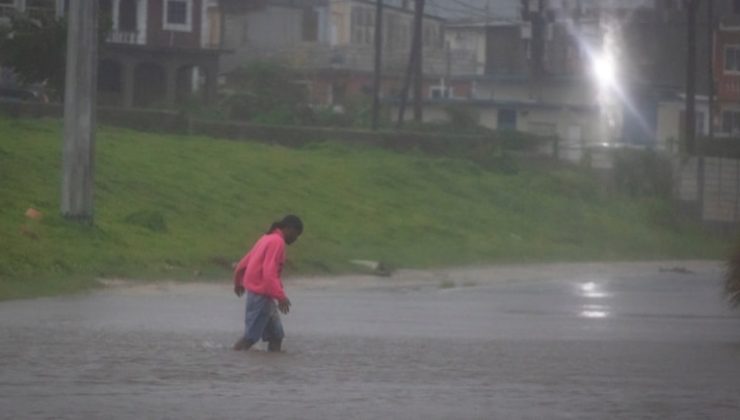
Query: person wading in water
{"type": "Point", "coordinates": [258, 274]}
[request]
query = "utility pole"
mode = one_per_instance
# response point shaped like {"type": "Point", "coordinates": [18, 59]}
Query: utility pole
{"type": "Point", "coordinates": [710, 65]}
{"type": "Point", "coordinates": [411, 69]}
{"type": "Point", "coordinates": [419, 62]}
{"type": "Point", "coordinates": [690, 118]}
{"type": "Point", "coordinates": [377, 75]}
{"type": "Point", "coordinates": [79, 111]}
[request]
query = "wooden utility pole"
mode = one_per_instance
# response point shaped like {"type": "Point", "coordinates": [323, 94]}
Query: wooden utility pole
{"type": "Point", "coordinates": [377, 75]}
{"type": "Point", "coordinates": [79, 111]}
{"type": "Point", "coordinates": [690, 117]}
{"type": "Point", "coordinates": [419, 62]}
{"type": "Point", "coordinates": [414, 54]}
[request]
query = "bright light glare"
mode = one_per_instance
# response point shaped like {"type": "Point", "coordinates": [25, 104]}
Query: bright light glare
{"type": "Point", "coordinates": [605, 70]}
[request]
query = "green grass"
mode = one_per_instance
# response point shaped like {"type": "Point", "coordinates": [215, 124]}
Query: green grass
{"type": "Point", "coordinates": [183, 207]}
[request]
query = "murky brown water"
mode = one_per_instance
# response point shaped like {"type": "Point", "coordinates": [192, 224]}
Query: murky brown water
{"type": "Point", "coordinates": [661, 346]}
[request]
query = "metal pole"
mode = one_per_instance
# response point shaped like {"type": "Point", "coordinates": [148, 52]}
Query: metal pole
{"type": "Point", "coordinates": [377, 75]}
{"type": "Point", "coordinates": [79, 111]}
{"type": "Point", "coordinates": [690, 120]}
{"type": "Point", "coordinates": [415, 44]}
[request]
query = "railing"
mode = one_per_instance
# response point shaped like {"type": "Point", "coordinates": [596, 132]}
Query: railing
{"type": "Point", "coordinates": [126, 37]}
{"type": "Point", "coordinates": [729, 89]}
{"type": "Point", "coordinates": [7, 10]}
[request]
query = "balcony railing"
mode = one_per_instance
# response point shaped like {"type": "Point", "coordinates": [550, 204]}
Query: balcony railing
{"type": "Point", "coordinates": [126, 37]}
{"type": "Point", "coordinates": [729, 90]}
{"type": "Point", "coordinates": [7, 10]}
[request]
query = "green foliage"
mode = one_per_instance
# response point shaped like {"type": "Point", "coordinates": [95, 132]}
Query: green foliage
{"type": "Point", "coordinates": [643, 173]}
{"type": "Point", "coordinates": [199, 203]}
{"type": "Point", "coordinates": [35, 50]}
{"type": "Point", "coordinates": [267, 93]}
{"type": "Point", "coordinates": [463, 118]}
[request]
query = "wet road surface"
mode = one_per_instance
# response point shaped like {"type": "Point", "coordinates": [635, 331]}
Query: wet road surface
{"type": "Point", "coordinates": [543, 342]}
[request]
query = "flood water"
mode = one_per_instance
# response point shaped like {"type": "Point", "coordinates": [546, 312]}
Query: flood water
{"type": "Point", "coordinates": [555, 342]}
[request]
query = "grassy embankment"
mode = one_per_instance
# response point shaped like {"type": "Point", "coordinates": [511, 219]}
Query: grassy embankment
{"type": "Point", "coordinates": [185, 207]}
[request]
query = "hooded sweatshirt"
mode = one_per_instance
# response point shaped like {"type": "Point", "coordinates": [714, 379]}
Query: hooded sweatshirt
{"type": "Point", "coordinates": [260, 270]}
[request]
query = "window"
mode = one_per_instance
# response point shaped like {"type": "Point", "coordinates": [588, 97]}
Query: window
{"type": "Point", "coordinates": [363, 26]}
{"type": "Point", "coordinates": [7, 7]}
{"type": "Point", "coordinates": [41, 8]}
{"type": "Point", "coordinates": [507, 119]}
{"type": "Point", "coordinates": [441, 92]}
{"type": "Point", "coordinates": [732, 59]}
{"type": "Point", "coordinates": [127, 16]}
{"type": "Point", "coordinates": [178, 15]}
{"type": "Point", "coordinates": [310, 24]}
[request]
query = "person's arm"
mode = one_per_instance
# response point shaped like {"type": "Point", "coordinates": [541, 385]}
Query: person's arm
{"type": "Point", "coordinates": [271, 270]}
{"type": "Point", "coordinates": [239, 276]}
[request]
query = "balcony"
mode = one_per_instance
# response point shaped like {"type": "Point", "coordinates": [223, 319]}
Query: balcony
{"type": "Point", "coordinates": [7, 10]}
{"type": "Point", "coordinates": [729, 89]}
{"type": "Point", "coordinates": [126, 37]}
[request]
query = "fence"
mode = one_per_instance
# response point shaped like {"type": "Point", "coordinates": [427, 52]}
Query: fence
{"type": "Point", "coordinates": [718, 202]}
{"type": "Point", "coordinates": [292, 136]}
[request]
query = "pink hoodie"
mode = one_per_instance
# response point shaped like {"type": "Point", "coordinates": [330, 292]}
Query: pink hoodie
{"type": "Point", "coordinates": [259, 271]}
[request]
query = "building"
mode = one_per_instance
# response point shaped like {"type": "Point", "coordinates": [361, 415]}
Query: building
{"type": "Point", "coordinates": [727, 71]}
{"type": "Point", "coordinates": [530, 74]}
{"type": "Point", "coordinates": [332, 43]}
{"type": "Point", "coordinates": [157, 52]}
{"type": "Point", "coordinates": [34, 8]}
{"type": "Point", "coordinates": [725, 65]}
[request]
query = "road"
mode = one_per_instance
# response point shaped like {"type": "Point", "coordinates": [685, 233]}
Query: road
{"type": "Point", "coordinates": [560, 341]}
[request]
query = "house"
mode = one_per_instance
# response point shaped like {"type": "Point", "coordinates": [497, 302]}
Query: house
{"type": "Point", "coordinates": [157, 53]}
{"type": "Point", "coordinates": [727, 71]}
{"type": "Point", "coordinates": [34, 8]}
{"type": "Point", "coordinates": [510, 89]}
{"type": "Point", "coordinates": [609, 72]}
{"type": "Point", "coordinates": [725, 61]}
{"type": "Point", "coordinates": [332, 43]}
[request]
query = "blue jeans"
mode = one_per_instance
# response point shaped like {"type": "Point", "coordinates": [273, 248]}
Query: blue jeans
{"type": "Point", "coordinates": [262, 320]}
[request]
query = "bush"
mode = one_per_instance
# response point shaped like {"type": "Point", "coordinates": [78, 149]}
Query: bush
{"type": "Point", "coordinates": [643, 173]}
{"type": "Point", "coordinates": [267, 93]}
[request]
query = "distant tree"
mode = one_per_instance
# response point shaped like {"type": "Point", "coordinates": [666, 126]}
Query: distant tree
{"type": "Point", "coordinates": [35, 50]}
{"type": "Point", "coordinates": [267, 92]}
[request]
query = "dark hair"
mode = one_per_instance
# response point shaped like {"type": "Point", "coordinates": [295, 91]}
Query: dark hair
{"type": "Point", "coordinates": [289, 221]}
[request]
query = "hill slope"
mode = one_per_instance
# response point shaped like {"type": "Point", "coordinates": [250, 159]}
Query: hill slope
{"type": "Point", "coordinates": [176, 207]}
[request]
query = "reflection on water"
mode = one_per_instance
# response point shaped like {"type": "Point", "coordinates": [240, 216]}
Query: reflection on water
{"type": "Point", "coordinates": [593, 290]}
{"type": "Point", "coordinates": [595, 311]}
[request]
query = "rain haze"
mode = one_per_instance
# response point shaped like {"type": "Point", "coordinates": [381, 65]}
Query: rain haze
{"type": "Point", "coordinates": [402, 209]}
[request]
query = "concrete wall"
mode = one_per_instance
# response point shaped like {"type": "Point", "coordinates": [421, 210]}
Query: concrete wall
{"type": "Point", "coordinates": [670, 130]}
{"type": "Point", "coordinates": [721, 180]}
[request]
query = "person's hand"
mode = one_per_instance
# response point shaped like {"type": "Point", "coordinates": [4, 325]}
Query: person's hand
{"type": "Point", "coordinates": [238, 290]}
{"type": "Point", "coordinates": [284, 306]}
